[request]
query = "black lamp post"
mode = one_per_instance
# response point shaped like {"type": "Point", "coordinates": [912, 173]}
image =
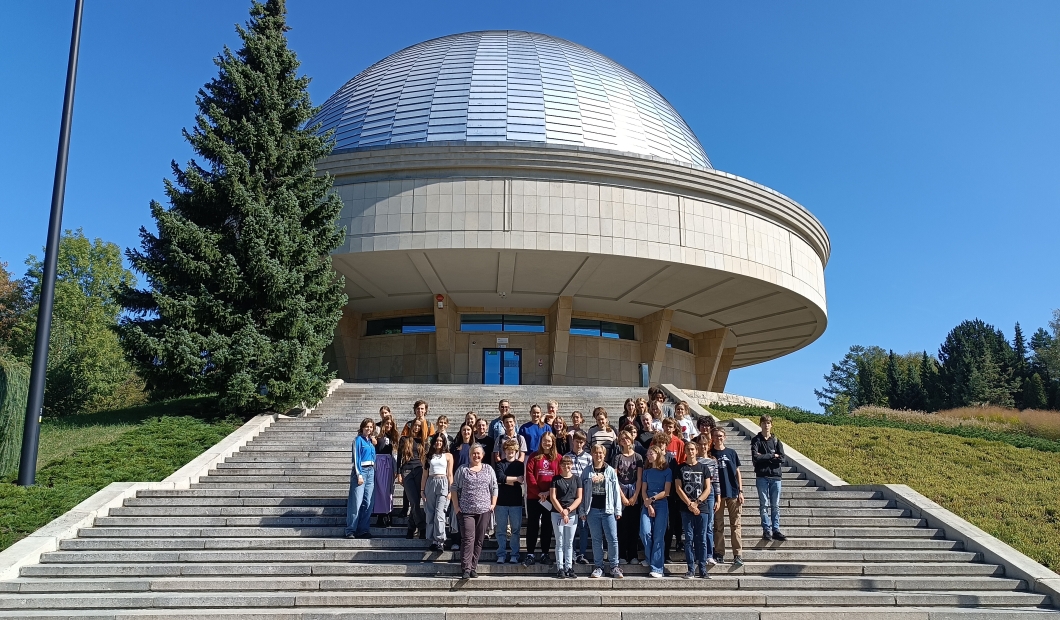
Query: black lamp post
{"type": "Point", "coordinates": [27, 466]}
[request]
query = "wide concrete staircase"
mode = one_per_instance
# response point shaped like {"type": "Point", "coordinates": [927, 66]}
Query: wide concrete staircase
{"type": "Point", "coordinates": [261, 537]}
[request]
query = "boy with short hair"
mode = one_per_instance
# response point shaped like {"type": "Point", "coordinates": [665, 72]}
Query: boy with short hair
{"type": "Point", "coordinates": [508, 419]}
{"type": "Point", "coordinates": [509, 510]}
{"type": "Point", "coordinates": [442, 427]}
{"type": "Point", "coordinates": [731, 500]}
{"type": "Point", "coordinates": [767, 454]}
{"type": "Point", "coordinates": [580, 460]}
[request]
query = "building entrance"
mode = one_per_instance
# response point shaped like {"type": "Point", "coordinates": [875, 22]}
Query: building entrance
{"type": "Point", "coordinates": [502, 366]}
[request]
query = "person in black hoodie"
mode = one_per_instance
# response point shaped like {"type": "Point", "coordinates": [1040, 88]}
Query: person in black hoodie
{"type": "Point", "coordinates": [767, 454]}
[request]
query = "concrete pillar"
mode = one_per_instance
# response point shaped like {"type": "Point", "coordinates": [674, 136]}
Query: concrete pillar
{"type": "Point", "coordinates": [708, 347]}
{"type": "Point", "coordinates": [654, 330]}
{"type": "Point", "coordinates": [723, 370]}
{"type": "Point", "coordinates": [559, 339]}
{"type": "Point", "coordinates": [446, 324]}
{"type": "Point", "coordinates": [347, 344]}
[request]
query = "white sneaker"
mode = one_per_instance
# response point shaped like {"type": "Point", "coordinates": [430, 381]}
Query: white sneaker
{"type": "Point", "coordinates": [597, 573]}
{"type": "Point", "coordinates": [655, 575]}
{"type": "Point", "coordinates": [711, 561]}
{"type": "Point", "coordinates": [455, 547]}
{"type": "Point", "coordinates": [500, 558]}
{"type": "Point", "coordinates": [645, 563]}
{"type": "Point", "coordinates": [513, 560]}
{"type": "Point", "coordinates": [623, 561]}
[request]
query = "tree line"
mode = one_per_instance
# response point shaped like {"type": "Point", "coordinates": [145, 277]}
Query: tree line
{"type": "Point", "coordinates": [976, 365]}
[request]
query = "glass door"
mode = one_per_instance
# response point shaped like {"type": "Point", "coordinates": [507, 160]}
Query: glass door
{"type": "Point", "coordinates": [502, 366]}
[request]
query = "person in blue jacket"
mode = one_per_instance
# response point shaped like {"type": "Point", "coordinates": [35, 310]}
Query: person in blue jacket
{"type": "Point", "coordinates": [362, 483]}
{"type": "Point", "coordinates": [601, 508]}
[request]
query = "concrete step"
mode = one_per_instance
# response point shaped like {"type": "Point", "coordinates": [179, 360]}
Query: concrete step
{"type": "Point", "coordinates": [398, 542]}
{"type": "Point", "coordinates": [752, 612]}
{"type": "Point", "coordinates": [596, 594]}
{"type": "Point", "coordinates": [425, 569]}
{"type": "Point", "coordinates": [778, 554]}
{"type": "Point", "coordinates": [340, 510]}
{"type": "Point", "coordinates": [541, 582]}
{"type": "Point", "coordinates": [398, 532]}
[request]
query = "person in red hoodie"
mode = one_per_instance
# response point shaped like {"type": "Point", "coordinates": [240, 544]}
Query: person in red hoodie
{"type": "Point", "coordinates": [540, 469]}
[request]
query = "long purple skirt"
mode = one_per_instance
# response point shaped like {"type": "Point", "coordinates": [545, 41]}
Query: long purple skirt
{"type": "Point", "coordinates": [384, 484]}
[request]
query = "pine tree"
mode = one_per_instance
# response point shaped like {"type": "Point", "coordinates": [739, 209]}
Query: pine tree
{"type": "Point", "coordinates": [870, 385]}
{"type": "Point", "coordinates": [243, 298]}
{"type": "Point", "coordinates": [895, 383]}
{"type": "Point", "coordinates": [915, 396]}
{"type": "Point", "coordinates": [1034, 396]}
{"type": "Point", "coordinates": [934, 397]}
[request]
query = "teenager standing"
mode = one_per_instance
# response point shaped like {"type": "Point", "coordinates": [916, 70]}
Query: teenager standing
{"type": "Point", "coordinates": [602, 510]}
{"type": "Point", "coordinates": [435, 490]}
{"type": "Point", "coordinates": [565, 494]}
{"type": "Point", "coordinates": [767, 454]}
{"type": "Point", "coordinates": [419, 412]}
{"type": "Point", "coordinates": [474, 497]}
{"type": "Point", "coordinates": [410, 476]}
{"type": "Point", "coordinates": [385, 469]}
{"type": "Point", "coordinates": [362, 483]}
{"type": "Point", "coordinates": [580, 460]}
{"type": "Point", "coordinates": [540, 470]}
{"type": "Point", "coordinates": [731, 500]}
{"type": "Point", "coordinates": [509, 511]}
{"type": "Point", "coordinates": [658, 480]}
{"type": "Point", "coordinates": [697, 488]}
{"type": "Point", "coordinates": [532, 431]}
{"type": "Point", "coordinates": [628, 468]}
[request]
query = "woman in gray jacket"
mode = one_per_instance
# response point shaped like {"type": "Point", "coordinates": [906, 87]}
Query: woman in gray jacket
{"type": "Point", "coordinates": [601, 509]}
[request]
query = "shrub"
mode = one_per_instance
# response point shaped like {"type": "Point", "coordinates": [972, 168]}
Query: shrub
{"type": "Point", "coordinates": [14, 388]}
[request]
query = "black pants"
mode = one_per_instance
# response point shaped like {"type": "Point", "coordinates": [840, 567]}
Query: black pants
{"type": "Point", "coordinates": [538, 520]}
{"type": "Point", "coordinates": [629, 533]}
{"type": "Point", "coordinates": [674, 528]}
{"type": "Point", "coordinates": [417, 519]}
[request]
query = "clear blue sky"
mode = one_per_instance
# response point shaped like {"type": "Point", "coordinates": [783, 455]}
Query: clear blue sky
{"type": "Point", "coordinates": [925, 136]}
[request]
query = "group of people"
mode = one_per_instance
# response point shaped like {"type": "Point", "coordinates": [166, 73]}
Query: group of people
{"type": "Point", "coordinates": [659, 477]}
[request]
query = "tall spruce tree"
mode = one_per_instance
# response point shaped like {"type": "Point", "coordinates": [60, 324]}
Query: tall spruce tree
{"type": "Point", "coordinates": [242, 297]}
{"type": "Point", "coordinates": [895, 383]}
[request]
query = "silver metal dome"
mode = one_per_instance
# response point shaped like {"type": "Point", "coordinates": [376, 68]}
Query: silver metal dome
{"type": "Point", "coordinates": [507, 85]}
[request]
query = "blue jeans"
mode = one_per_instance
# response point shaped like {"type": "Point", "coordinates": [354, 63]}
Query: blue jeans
{"type": "Point", "coordinates": [359, 502]}
{"type": "Point", "coordinates": [506, 515]}
{"type": "Point", "coordinates": [769, 503]}
{"type": "Point", "coordinates": [699, 535]}
{"type": "Point", "coordinates": [564, 539]}
{"type": "Point", "coordinates": [604, 528]}
{"type": "Point", "coordinates": [652, 535]}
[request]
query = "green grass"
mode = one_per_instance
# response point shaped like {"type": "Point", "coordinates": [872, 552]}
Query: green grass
{"type": "Point", "coordinates": [61, 437]}
{"type": "Point", "coordinates": [1010, 492]}
{"type": "Point", "coordinates": [128, 445]}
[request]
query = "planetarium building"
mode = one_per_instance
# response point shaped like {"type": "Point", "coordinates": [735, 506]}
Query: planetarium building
{"type": "Point", "coordinates": [521, 209]}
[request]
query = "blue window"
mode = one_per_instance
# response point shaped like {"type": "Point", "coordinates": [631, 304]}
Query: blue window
{"type": "Point", "coordinates": [602, 329]}
{"type": "Point", "coordinates": [401, 325]}
{"type": "Point", "coordinates": [502, 323]}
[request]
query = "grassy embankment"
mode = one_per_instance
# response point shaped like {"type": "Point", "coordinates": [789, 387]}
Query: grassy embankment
{"type": "Point", "coordinates": [81, 455]}
{"type": "Point", "coordinates": [994, 480]}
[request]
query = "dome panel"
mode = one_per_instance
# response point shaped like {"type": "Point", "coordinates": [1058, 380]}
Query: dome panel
{"type": "Point", "coordinates": [507, 85]}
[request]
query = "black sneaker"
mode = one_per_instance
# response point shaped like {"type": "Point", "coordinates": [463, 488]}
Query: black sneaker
{"type": "Point", "coordinates": [466, 575]}
{"type": "Point", "coordinates": [720, 559]}
{"type": "Point", "coordinates": [767, 536]}
{"type": "Point", "coordinates": [544, 558]}
{"type": "Point", "coordinates": [561, 574]}
{"type": "Point", "coordinates": [581, 559]}
{"type": "Point", "coordinates": [528, 560]}
{"type": "Point", "coordinates": [474, 574]}
{"type": "Point", "coordinates": [571, 574]}
{"type": "Point", "coordinates": [778, 536]}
